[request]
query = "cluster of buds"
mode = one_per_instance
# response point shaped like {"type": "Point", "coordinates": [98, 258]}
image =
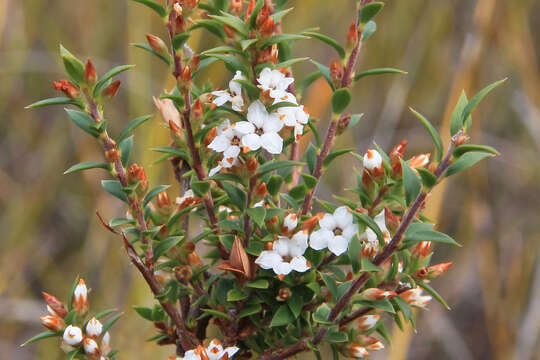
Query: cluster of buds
{"type": "Point", "coordinates": [89, 337]}
{"type": "Point", "coordinates": [214, 351]}
{"type": "Point", "coordinates": [359, 350]}
{"type": "Point", "coordinates": [136, 174]}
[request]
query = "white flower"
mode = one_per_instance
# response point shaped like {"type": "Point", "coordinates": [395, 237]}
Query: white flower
{"type": "Point", "coordinates": [261, 129]}
{"type": "Point", "coordinates": [234, 95]}
{"type": "Point", "coordinates": [93, 328]}
{"type": "Point", "coordinates": [369, 237]}
{"type": "Point", "coordinates": [275, 82]}
{"type": "Point", "coordinates": [227, 141]}
{"type": "Point", "coordinates": [372, 160]}
{"type": "Point", "coordinates": [73, 335]}
{"type": "Point", "coordinates": [286, 255]}
{"type": "Point", "coordinates": [90, 347]}
{"type": "Point", "coordinates": [335, 233]}
{"type": "Point", "coordinates": [293, 116]}
{"type": "Point", "coordinates": [215, 350]}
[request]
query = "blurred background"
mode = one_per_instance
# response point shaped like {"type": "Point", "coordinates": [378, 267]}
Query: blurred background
{"type": "Point", "coordinates": [50, 233]}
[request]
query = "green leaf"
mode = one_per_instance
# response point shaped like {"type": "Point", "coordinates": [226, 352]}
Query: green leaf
{"type": "Point", "coordinates": [333, 155]}
{"type": "Point", "coordinates": [328, 40]}
{"type": "Point", "coordinates": [463, 149]}
{"type": "Point", "coordinates": [166, 244]}
{"type": "Point", "coordinates": [308, 80]}
{"type": "Point", "coordinates": [369, 222]}
{"type": "Point", "coordinates": [277, 164]}
{"type": "Point", "coordinates": [132, 125]}
{"type": "Point", "coordinates": [153, 193]}
{"type": "Point", "coordinates": [321, 314]}
{"type": "Point", "coordinates": [276, 39]}
{"type": "Point", "coordinates": [54, 101]}
{"type": "Point", "coordinates": [147, 47]}
{"type": "Point", "coordinates": [368, 266]}
{"type": "Point", "coordinates": [222, 49]}
{"type": "Point", "coordinates": [257, 214]}
{"type": "Point", "coordinates": [369, 29]}
{"type": "Point", "coordinates": [250, 310]}
{"type": "Point", "coordinates": [383, 304]}
{"type": "Point", "coordinates": [125, 149]}
{"type": "Point", "coordinates": [290, 62]}
{"type": "Point", "coordinates": [74, 353]}
{"type": "Point", "coordinates": [369, 11]}
{"type": "Point", "coordinates": [331, 285]}
{"type": "Point", "coordinates": [231, 61]}
{"type": "Point", "coordinates": [179, 40]}
{"type": "Point", "coordinates": [232, 21]}
{"type": "Point", "coordinates": [353, 251]}
{"type": "Point", "coordinates": [280, 105]}
{"type": "Point", "coordinates": [340, 100]}
{"type": "Point", "coordinates": [235, 295]}
{"type": "Point", "coordinates": [403, 307]}
{"type": "Point", "coordinates": [104, 313]}
{"type": "Point", "coordinates": [428, 178]}
{"type": "Point", "coordinates": [114, 188]}
{"type": "Point", "coordinates": [411, 183]}
{"type": "Point", "coordinates": [87, 165]}
{"type": "Point", "coordinates": [473, 103]}
{"type": "Point", "coordinates": [277, 16]}
{"type": "Point", "coordinates": [433, 293]}
{"type": "Point", "coordinates": [216, 313]}
{"type": "Point", "coordinates": [283, 316]}
{"type": "Point", "coordinates": [251, 90]}
{"type": "Point", "coordinates": [73, 66]}
{"type": "Point", "coordinates": [258, 284]}
{"type": "Point", "coordinates": [144, 312]}
{"type": "Point", "coordinates": [200, 188]}
{"type": "Point", "coordinates": [378, 71]}
{"type": "Point", "coordinates": [455, 122]}
{"type": "Point", "coordinates": [325, 72]}
{"type": "Point", "coordinates": [237, 196]}
{"type": "Point", "coordinates": [412, 237]}
{"type": "Point", "coordinates": [336, 336]}
{"type": "Point", "coordinates": [104, 80]}
{"type": "Point", "coordinates": [274, 184]}
{"type": "Point", "coordinates": [212, 26]}
{"type": "Point", "coordinates": [432, 131]}
{"type": "Point", "coordinates": [110, 322]}
{"type": "Point", "coordinates": [245, 44]}
{"type": "Point", "coordinates": [160, 10]}
{"type": "Point", "coordinates": [466, 161]}
{"type": "Point", "coordinates": [295, 304]}
{"type": "Point", "coordinates": [311, 158]}
{"type": "Point", "coordinates": [84, 121]}
{"type": "Point", "coordinates": [41, 336]}
{"type": "Point", "coordinates": [310, 181]}
{"type": "Point", "coordinates": [172, 151]}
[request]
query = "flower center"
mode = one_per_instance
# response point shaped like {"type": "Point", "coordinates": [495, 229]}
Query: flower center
{"type": "Point", "coordinates": [338, 231]}
{"type": "Point", "coordinates": [235, 140]}
{"type": "Point", "coordinates": [259, 131]}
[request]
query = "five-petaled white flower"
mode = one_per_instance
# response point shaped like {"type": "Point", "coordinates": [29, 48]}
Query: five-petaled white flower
{"type": "Point", "coordinates": [227, 141]}
{"type": "Point", "coordinates": [234, 95]}
{"type": "Point", "coordinates": [370, 239]}
{"type": "Point", "coordinates": [293, 116]}
{"type": "Point", "coordinates": [335, 233]}
{"type": "Point", "coordinates": [261, 129]}
{"type": "Point", "coordinates": [275, 82]}
{"type": "Point", "coordinates": [286, 255]}
{"type": "Point", "coordinates": [214, 351]}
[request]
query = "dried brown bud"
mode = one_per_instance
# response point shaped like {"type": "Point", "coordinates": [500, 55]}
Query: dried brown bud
{"type": "Point", "coordinates": [262, 15]}
{"type": "Point", "coordinates": [310, 223]}
{"type": "Point", "coordinates": [422, 249]}
{"type": "Point", "coordinates": [435, 271]}
{"type": "Point", "coordinates": [193, 259]}
{"type": "Point", "coordinates": [184, 272]}
{"type": "Point", "coordinates": [283, 294]}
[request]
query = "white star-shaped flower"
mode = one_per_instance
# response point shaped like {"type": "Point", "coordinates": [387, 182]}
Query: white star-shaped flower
{"type": "Point", "coordinates": [286, 255]}
{"type": "Point", "coordinates": [261, 129]}
{"type": "Point", "coordinates": [234, 95]}
{"type": "Point", "coordinates": [275, 82]}
{"type": "Point", "coordinates": [335, 233]}
{"type": "Point", "coordinates": [227, 141]}
{"type": "Point", "coordinates": [215, 350]}
{"type": "Point", "coordinates": [293, 116]}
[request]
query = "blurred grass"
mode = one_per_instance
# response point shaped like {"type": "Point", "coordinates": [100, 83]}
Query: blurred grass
{"type": "Point", "coordinates": [52, 233]}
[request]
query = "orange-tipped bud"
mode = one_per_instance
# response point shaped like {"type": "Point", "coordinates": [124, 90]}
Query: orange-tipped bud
{"type": "Point", "coordinates": [392, 220]}
{"type": "Point", "coordinates": [55, 305]}
{"type": "Point", "coordinates": [163, 276]}
{"type": "Point", "coordinates": [435, 271]}
{"type": "Point", "coordinates": [252, 164]}
{"type": "Point", "coordinates": [260, 191]}
{"type": "Point", "coordinates": [343, 124]}
{"type": "Point", "coordinates": [356, 351]}
{"type": "Point", "coordinates": [414, 297]}
{"type": "Point", "coordinates": [90, 76]}
{"type": "Point", "coordinates": [194, 63]}
{"type": "Point", "coordinates": [366, 322]}
{"type": "Point", "coordinates": [185, 78]}
{"type": "Point", "coordinates": [111, 90]}
{"type": "Point", "coordinates": [336, 72]}
{"type": "Point", "coordinates": [398, 152]}
{"type": "Point", "coordinates": [137, 173]}
{"type": "Point", "coordinates": [210, 136]}
{"type": "Point", "coordinates": [270, 54]}
{"type": "Point", "coordinates": [283, 294]}
{"type": "Point", "coordinates": [157, 44]}
{"type": "Point", "coordinates": [235, 7]}
{"type": "Point", "coordinates": [272, 224]}
{"type": "Point", "coordinates": [169, 112]}
{"type": "Point", "coordinates": [262, 15]}
{"type": "Point", "coordinates": [352, 36]}
{"type": "Point", "coordinates": [197, 110]}
{"type": "Point", "coordinates": [91, 348]}
{"type": "Point", "coordinates": [52, 323]}
{"type": "Point", "coordinates": [370, 342]}
{"type": "Point", "coordinates": [250, 9]}
{"type": "Point", "coordinates": [163, 202]}
{"type": "Point", "coordinates": [112, 155]}
{"type": "Point", "coordinates": [289, 223]}
{"type": "Point", "coordinates": [73, 335]}
{"type": "Point", "coordinates": [376, 294]}
{"type": "Point", "coordinates": [422, 249]}
{"type": "Point", "coordinates": [310, 223]}
{"type": "Point", "coordinates": [67, 87]}
{"type": "Point", "coordinates": [180, 24]}
{"type": "Point", "coordinates": [80, 298]}
{"type": "Point", "coordinates": [267, 28]}
{"type": "Point", "coordinates": [419, 161]}
{"type": "Point", "coordinates": [94, 328]}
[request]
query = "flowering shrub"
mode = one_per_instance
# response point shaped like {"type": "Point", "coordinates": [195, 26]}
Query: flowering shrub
{"type": "Point", "coordinates": [241, 248]}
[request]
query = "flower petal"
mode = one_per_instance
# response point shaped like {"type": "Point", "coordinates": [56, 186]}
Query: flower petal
{"type": "Point", "coordinates": [338, 245]}
{"type": "Point", "coordinates": [319, 239]}
{"type": "Point", "coordinates": [343, 217]}
{"type": "Point", "coordinates": [271, 142]}
{"type": "Point", "coordinates": [252, 141]}
{"type": "Point", "coordinates": [244, 128]}
{"type": "Point", "coordinates": [257, 113]}
{"type": "Point", "coordinates": [268, 259]}
{"type": "Point", "coordinates": [327, 222]}
{"type": "Point", "coordinates": [220, 143]}
{"type": "Point", "coordinates": [300, 264]}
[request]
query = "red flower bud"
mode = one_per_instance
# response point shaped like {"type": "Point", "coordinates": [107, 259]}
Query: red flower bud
{"type": "Point", "coordinates": [90, 76]}
{"type": "Point", "coordinates": [67, 87]}
{"type": "Point", "coordinates": [157, 44]}
{"type": "Point", "coordinates": [55, 305]}
{"type": "Point", "coordinates": [52, 323]}
{"type": "Point", "coordinates": [352, 36]}
{"type": "Point", "coordinates": [267, 28]}
{"type": "Point", "coordinates": [110, 91]}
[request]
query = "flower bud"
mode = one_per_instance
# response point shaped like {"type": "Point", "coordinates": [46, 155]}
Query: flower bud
{"type": "Point", "coordinates": [267, 28]}
{"type": "Point", "coordinates": [184, 80]}
{"type": "Point", "coordinates": [284, 294]}
{"type": "Point", "coordinates": [111, 90]}
{"type": "Point", "coordinates": [290, 222]}
{"type": "Point", "coordinates": [435, 271]}
{"type": "Point", "coordinates": [422, 249]}
{"type": "Point", "coordinates": [343, 124]}
{"type": "Point", "coordinates": [112, 155]}
{"type": "Point", "coordinates": [196, 114]}
{"type": "Point", "coordinates": [54, 305]}
{"type": "Point", "coordinates": [310, 223]}
{"type": "Point", "coordinates": [193, 259]}
{"type": "Point", "coordinates": [352, 36]}
{"type": "Point", "coordinates": [356, 351]}
{"type": "Point", "coordinates": [262, 15]}
{"type": "Point", "coordinates": [52, 323]}
{"type": "Point", "coordinates": [235, 7]}
{"type": "Point", "coordinates": [106, 343]}
{"type": "Point", "coordinates": [395, 158]}
{"type": "Point", "coordinates": [136, 173]}
{"type": "Point", "coordinates": [270, 54]}
{"type": "Point", "coordinates": [93, 328]}
{"type": "Point", "coordinates": [370, 343]}
{"type": "Point", "coordinates": [373, 162]}
{"type": "Point", "coordinates": [252, 164]}
{"type": "Point", "coordinates": [376, 294]}
{"type": "Point", "coordinates": [73, 335]}
{"type": "Point", "coordinates": [419, 161]}
{"type": "Point", "coordinates": [80, 298]}
{"type": "Point", "coordinates": [272, 224]}
{"type": "Point", "coordinates": [163, 276]}
{"type": "Point", "coordinates": [249, 10]}
{"type": "Point", "coordinates": [180, 24]}
{"type": "Point", "coordinates": [184, 272]}
{"type": "Point", "coordinates": [163, 203]}
{"type": "Point", "coordinates": [260, 191]}
{"type": "Point", "coordinates": [90, 76]}
{"type": "Point", "coordinates": [169, 112]}
{"type": "Point", "coordinates": [414, 297]}
{"type": "Point", "coordinates": [67, 87]}
{"type": "Point", "coordinates": [336, 72]}
{"type": "Point", "coordinates": [392, 220]}
{"type": "Point", "coordinates": [157, 44]}
{"type": "Point", "coordinates": [366, 322]}
{"type": "Point", "coordinates": [91, 347]}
